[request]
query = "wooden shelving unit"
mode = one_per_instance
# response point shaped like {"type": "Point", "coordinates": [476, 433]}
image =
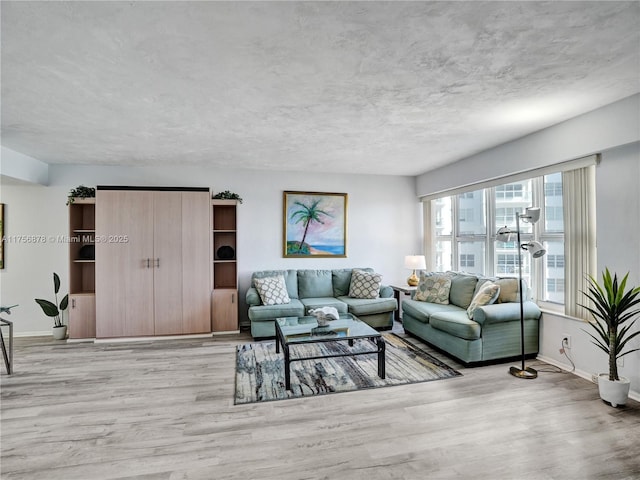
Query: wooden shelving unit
{"type": "Point", "coordinates": [82, 268]}
{"type": "Point", "coordinates": [224, 298]}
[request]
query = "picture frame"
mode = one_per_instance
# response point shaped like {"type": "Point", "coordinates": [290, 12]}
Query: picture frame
{"type": "Point", "coordinates": [314, 224]}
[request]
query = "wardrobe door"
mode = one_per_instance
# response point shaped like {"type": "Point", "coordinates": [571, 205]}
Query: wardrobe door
{"type": "Point", "coordinates": [124, 268]}
{"type": "Point", "coordinates": [167, 263]}
{"type": "Point", "coordinates": [196, 262]}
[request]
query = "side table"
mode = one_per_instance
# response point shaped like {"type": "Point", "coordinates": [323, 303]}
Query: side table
{"type": "Point", "coordinates": [397, 291]}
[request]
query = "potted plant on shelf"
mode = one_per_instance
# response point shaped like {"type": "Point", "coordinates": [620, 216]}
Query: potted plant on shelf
{"type": "Point", "coordinates": [613, 309]}
{"type": "Point", "coordinates": [80, 192]}
{"type": "Point", "coordinates": [55, 310]}
{"type": "Point", "coordinates": [227, 195]}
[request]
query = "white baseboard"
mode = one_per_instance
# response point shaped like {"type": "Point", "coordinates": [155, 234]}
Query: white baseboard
{"type": "Point", "coordinates": [580, 373]}
{"type": "Point", "coordinates": [116, 339]}
{"type": "Point", "coordinates": [33, 334]}
{"type": "Point", "coordinates": [151, 339]}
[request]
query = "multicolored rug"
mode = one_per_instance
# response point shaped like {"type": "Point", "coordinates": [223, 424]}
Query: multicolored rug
{"type": "Point", "coordinates": [260, 371]}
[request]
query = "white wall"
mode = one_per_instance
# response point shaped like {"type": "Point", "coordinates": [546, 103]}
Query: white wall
{"type": "Point", "coordinates": [613, 131]}
{"type": "Point", "coordinates": [32, 210]}
{"type": "Point", "coordinates": [608, 127]}
{"type": "Point", "coordinates": [15, 165]}
{"type": "Point", "coordinates": [384, 224]}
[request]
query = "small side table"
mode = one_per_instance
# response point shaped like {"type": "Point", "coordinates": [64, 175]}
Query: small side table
{"type": "Point", "coordinates": [397, 290]}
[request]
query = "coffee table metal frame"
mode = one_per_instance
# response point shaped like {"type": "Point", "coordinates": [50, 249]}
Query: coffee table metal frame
{"type": "Point", "coordinates": [309, 325]}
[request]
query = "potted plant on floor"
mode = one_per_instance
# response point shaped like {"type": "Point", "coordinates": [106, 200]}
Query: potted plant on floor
{"type": "Point", "coordinates": [613, 309]}
{"type": "Point", "coordinates": [56, 310]}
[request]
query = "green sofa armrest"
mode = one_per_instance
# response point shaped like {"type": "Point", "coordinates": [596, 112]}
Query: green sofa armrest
{"type": "Point", "coordinates": [252, 297]}
{"type": "Point", "coordinates": [506, 312]}
{"type": "Point", "coordinates": [386, 291]}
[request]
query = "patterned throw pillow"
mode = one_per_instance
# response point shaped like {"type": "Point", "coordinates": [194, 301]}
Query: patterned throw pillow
{"type": "Point", "coordinates": [487, 294]}
{"type": "Point", "coordinates": [272, 290]}
{"type": "Point", "coordinates": [433, 289]}
{"type": "Point", "coordinates": [365, 284]}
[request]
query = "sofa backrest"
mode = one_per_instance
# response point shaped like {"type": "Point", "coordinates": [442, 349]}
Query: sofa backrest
{"type": "Point", "coordinates": [462, 288]}
{"type": "Point", "coordinates": [307, 283]}
{"type": "Point", "coordinates": [314, 283]}
{"type": "Point", "coordinates": [290, 279]}
{"type": "Point", "coordinates": [341, 279]}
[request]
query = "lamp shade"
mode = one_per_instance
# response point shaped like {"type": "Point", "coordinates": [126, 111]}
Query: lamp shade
{"type": "Point", "coordinates": [535, 249]}
{"type": "Point", "coordinates": [415, 262]}
{"type": "Point", "coordinates": [505, 234]}
{"type": "Point", "coordinates": [531, 215]}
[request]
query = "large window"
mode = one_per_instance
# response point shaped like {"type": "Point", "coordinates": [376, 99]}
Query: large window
{"type": "Point", "coordinates": [464, 234]}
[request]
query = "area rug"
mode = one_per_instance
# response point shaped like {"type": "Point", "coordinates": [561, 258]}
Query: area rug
{"type": "Point", "coordinates": [260, 370]}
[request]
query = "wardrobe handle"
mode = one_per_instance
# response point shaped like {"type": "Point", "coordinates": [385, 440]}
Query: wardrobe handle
{"type": "Point", "coordinates": [157, 262]}
{"type": "Point", "coordinates": [148, 262]}
{"type": "Point", "coordinates": [73, 303]}
{"type": "Point", "coordinates": [233, 298]}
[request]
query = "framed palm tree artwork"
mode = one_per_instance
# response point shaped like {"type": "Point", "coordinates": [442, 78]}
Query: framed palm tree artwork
{"type": "Point", "coordinates": [315, 224]}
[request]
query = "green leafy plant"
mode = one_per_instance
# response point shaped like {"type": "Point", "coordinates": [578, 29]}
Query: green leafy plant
{"type": "Point", "coordinates": [227, 195]}
{"type": "Point", "coordinates": [80, 192]}
{"type": "Point", "coordinates": [52, 309]}
{"type": "Point", "coordinates": [613, 309]}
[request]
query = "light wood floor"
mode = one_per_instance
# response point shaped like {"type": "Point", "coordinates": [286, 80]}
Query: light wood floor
{"type": "Point", "coordinates": [164, 410]}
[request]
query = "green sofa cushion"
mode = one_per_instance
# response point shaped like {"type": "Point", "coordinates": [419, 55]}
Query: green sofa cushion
{"type": "Point", "coordinates": [462, 288]}
{"type": "Point", "coordinates": [456, 324]}
{"type": "Point", "coordinates": [290, 279]}
{"type": "Point", "coordinates": [360, 306]}
{"type": "Point", "coordinates": [319, 302]}
{"type": "Point", "coordinates": [314, 284]}
{"type": "Point", "coordinates": [421, 311]}
{"type": "Point", "coordinates": [341, 279]}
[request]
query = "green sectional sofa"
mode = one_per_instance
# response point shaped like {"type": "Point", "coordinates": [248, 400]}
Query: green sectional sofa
{"type": "Point", "coordinates": [492, 333]}
{"type": "Point", "coordinates": [310, 289]}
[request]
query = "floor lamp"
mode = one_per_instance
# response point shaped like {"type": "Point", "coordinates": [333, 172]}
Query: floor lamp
{"type": "Point", "coordinates": [505, 234]}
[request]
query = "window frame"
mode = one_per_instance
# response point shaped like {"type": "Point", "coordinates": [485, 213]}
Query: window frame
{"type": "Point", "coordinates": [537, 269]}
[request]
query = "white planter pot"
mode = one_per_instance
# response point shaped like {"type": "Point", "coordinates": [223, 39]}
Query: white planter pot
{"type": "Point", "coordinates": [615, 392]}
{"type": "Point", "coordinates": [59, 333]}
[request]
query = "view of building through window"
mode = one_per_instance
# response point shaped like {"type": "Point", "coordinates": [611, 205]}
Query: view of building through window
{"type": "Point", "coordinates": [465, 226]}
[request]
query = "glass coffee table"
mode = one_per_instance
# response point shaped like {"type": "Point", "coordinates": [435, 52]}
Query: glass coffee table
{"type": "Point", "coordinates": [292, 331]}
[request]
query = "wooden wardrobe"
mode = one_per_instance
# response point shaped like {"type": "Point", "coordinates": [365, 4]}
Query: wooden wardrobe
{"type": "Point", "coordinates": [153, 261]}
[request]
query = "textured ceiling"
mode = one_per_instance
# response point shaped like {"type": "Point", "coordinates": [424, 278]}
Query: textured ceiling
{"type": "Point", "coordinates": [377, 87]}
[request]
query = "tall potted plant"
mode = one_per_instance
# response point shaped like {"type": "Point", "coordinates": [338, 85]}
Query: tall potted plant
{"type": "Point", "coordinates": [55, 310]}
{"type": "Point", "coordinates": [613, 308]}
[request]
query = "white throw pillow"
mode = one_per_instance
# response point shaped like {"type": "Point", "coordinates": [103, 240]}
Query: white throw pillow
{"type": "Point", "coordinates": [365, 284]}
{"type": "Point", "coordinates": [487, 294]}
{"type": "Point", "coordinates": [272, 290]}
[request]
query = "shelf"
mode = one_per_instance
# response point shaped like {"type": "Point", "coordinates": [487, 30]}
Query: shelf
{"type": "Point", "coordinates": [224, 218]}
{"type": "Point", "coordinates": [82, 228]}
{"type": "Point", "coordinates": [225, 273]}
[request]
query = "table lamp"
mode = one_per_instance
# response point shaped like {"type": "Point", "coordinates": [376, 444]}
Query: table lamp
{"type": "Point", "coordinates": [414, 262]}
